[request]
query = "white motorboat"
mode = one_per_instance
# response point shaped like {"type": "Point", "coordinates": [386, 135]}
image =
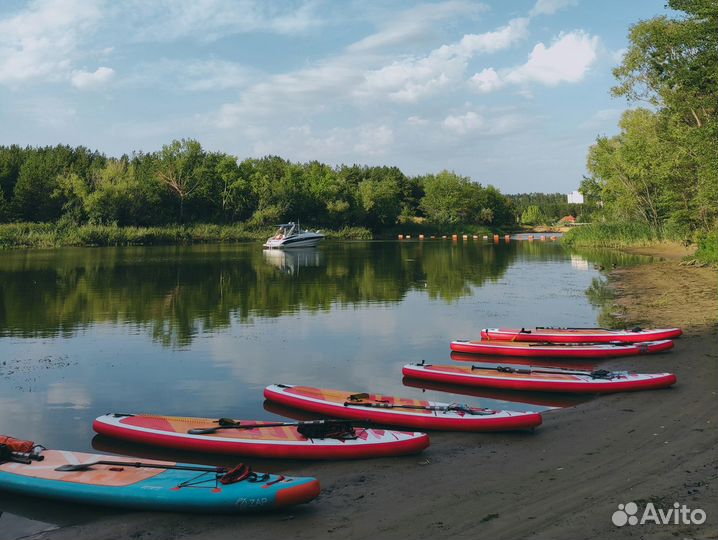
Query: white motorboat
{"type": "Point", "coordinates": [290, 235]}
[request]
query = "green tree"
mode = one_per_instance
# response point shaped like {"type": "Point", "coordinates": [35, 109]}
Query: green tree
{"type": "Point", "coordinates": [177, 168]}
{"type": "Point", "coordinates": [450, 199]}
{"type": "Point", "coordinates": [532, 216]}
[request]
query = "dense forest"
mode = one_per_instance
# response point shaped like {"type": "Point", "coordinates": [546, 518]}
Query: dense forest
{"type": "Point", "coordinates": [661, 171]}
{"type": "Point", "coordinates": [185, 184]}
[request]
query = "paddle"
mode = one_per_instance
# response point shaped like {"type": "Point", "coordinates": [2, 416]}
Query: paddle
{"type": "Point", "coordinates": [596, 374]}
{"type": "Point", "coordinates": [228, 423]}
{"type": "Point", "coordinates": [635, 329]}
{"type": "Point", "coordinates": [452, 407]}
{"type": "Point", "coordinates": [86, 466]}
{"type": "Point", "coordinates": [549, 344]}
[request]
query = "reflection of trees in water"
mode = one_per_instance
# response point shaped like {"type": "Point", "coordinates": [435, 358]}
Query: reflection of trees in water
{"type": "Point", "coordinates": [176, 292]}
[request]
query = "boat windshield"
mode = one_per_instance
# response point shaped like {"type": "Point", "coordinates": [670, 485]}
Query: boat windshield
{"type": "Point", "coordinates": [285, 230]}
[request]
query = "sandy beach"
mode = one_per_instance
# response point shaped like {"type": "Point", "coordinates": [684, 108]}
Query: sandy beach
{"type": "Point", "coordinates": [563, 480]}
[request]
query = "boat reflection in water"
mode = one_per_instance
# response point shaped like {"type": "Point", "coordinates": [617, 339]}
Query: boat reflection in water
{"type": "Point", "coordinates": [565, 363]}
{"type": "Point", "coordinates": [289, 262]}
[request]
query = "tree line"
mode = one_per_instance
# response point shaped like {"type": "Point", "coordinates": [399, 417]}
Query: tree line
{"type": "Point", "coordinates": [184, 184]}
{"type": "Point", "coordinates": [661, 169]}
{"type": "Point", "coordinates": [545, 208]}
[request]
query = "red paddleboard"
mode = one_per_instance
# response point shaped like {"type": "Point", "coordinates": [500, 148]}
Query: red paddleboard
{"type": "Point", "coordinates": [398, 411]}
{"type": "Point", "coordinates": [541, 379]}
{"type": "Point", "coordinates": [579, 335]}
{"type": "Point", "coordinates": [559, 350]}
{"type": "Point", "coordinates": [276, 440]}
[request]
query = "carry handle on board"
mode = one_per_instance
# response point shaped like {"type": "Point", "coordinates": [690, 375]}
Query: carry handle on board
{"type": "Point", "coordinates": [596, 374]}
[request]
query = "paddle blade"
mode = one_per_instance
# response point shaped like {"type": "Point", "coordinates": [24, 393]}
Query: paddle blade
{"type": "Point", "coordinates": [76, 467]}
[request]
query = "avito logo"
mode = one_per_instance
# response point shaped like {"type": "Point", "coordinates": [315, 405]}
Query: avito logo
{"type": "Point", "coordinates": [680, 514]}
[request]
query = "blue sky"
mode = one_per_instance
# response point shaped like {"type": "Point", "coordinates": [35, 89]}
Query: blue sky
{"type": "Point", "coordinates": [510, 93]}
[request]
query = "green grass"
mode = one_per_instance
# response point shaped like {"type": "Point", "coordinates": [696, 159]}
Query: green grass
{"type": "Point", "coordinates": [615, 235]}
{"type": "Point", "coordinates": [707, 252]}
{"type": "Point", "coordinates": [45, 235]}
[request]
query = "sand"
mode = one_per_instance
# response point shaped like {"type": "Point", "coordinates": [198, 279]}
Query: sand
{"type": "Point", "coordinates": [562, 480]}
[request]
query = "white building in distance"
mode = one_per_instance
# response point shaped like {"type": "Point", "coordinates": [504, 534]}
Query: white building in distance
{"type": "Point", "coordinates": [574, 197]}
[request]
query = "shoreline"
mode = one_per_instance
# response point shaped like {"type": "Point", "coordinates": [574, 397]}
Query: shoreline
{"type": "Point", "coordinates": [563, 480]}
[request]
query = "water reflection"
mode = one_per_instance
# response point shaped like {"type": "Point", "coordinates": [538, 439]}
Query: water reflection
{"type": "Point", "coordinates": [504, 399]}
{"type": "Point", "coordinates": [176, 293]}
{"type": "Point", "coordinates": [291, 261]}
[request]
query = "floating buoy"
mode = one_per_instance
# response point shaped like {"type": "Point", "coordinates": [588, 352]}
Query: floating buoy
{"type": "Point", "coordinates": [432, 236]}
{"type": "Point", "coordinates": [476, 237]}
{"type": "Point", "coordinates": [408, 236]}
{"type": "Point", "coordinates": [485, 237]}
{"type": "Point", "coordinates": [444, 237]}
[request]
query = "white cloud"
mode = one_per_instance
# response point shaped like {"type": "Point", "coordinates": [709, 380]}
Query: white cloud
{"type": "Point", "coordinates": [602, 119]}
{"type": "Point", "coordinates": [412, 79]}
{"type": "Point", "coordinates": [486, 81]}
{"type": "Point", "coordinates": [210, 20]}
{"type": "Point", "coordinates": [373, 140]}
{"type": "Point", "coordinates": [44, 40]}
{"type": "Point", "coordinates": [464, 123]}
{"type": "Point", "coordinates": [417, 121]}
{"type": "Point", "coordinates": [193, 75]}
{"type": "Point", "coordinates": [415, 24]}
{"type": "Point", "coordinates": [90, 80]}
{"type": "Point", "coordinates": [549, 7]}
{"type": "Point", "coordinates": [363, 142]}
{"type": "Point", "coordinates": [566, 60]}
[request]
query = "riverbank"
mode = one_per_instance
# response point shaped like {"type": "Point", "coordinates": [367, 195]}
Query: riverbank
{"type": "Point", "coordinates": [49, 235]}
{"type": "Point", "coordinates": [564, 480]}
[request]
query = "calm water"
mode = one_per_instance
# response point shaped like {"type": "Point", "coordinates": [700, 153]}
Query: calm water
{"type": "Point", "coordinates": [201, 330]}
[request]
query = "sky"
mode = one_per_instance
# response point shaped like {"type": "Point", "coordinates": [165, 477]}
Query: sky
{"type": "Point", "coordinates": [509, 93]}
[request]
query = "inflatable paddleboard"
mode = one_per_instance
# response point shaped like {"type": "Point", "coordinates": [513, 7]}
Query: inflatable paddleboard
{"type": "Point", "coordinates": [399, 411]}
{"type": "Point", "coordinates": [541, 379]}
{"type": "Point", "coordinates": [322, 439]}
{"type": "Point", "coordinates": [118, 481]}
{"type": "Point", "coordinates": [580, 335]}
{"type": "Point", "coordinates": [559, 350]}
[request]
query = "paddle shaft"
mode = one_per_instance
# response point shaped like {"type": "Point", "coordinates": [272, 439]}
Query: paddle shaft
{"type": "Point", "coordinates": [84, 466]}
{"type": "Point", "coordinates": [205, 431]}
{"type": "Point", "coordinates": [420, 407]}
{"type": "Point", "coordinates": [531, 369]}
